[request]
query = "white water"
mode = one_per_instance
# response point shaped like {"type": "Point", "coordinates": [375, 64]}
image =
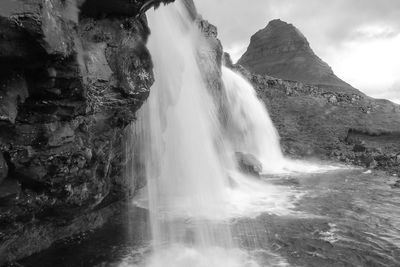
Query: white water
{"type": "Point", "coordinates": [249, 124]}
{"type": "Point", "coordinates": [194, 186]}
{"type": "Point", "coordinates": [252, 131]}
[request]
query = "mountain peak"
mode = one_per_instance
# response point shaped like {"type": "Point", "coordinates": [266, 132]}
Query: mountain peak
{"type": "Point", "coordinates": [282, 51]}
{"type": "Point", "coordinates": [277, 22]}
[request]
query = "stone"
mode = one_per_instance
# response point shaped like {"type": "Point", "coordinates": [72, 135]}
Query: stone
{"type": "Point", "coordinates": [3, 168]}
{"type": "Point", "coordinates": [9, 189]}
{"type": "Point", "coordinates": [227, 60]}
{"type": "Point", "coordinates": [359, 147]}
{"type": "Point", "coordinates": [333, 99]}
{"type": "Point", "coordinates": [13, 91]}
{"type": "Point", "coordinates": [397, 158]}
{"type": "Point", "coordinates": [248, 163]}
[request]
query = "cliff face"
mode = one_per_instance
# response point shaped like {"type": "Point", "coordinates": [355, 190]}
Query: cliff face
{"type": "Point", "coordinates": [70, 82]}
{"type": "Point", "coordinates": [281, 50]}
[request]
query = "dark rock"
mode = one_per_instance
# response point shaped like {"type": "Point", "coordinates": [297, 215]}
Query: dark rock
{"type": "Point", "coordinates": [359, 147]}
{"type": "Point", "coordinates": [227, 60]}
{"type": "Point", "coordinates": [98, 8]}
{"type": "Point", "coordinates": [3, 168]}
{"type": "Point", "coordinates": [249, 163]}
{"type": "Point", "coordinates": [13, 91]}
{"type": "Point", "coordinates": [70, 83]}
{"type": "Point", "coordinates": [396, 184]}
{"type": "Point", "coordinates": [10, 188]}
{"type": "Point", "coordinates": [397, 159]}
{"type": "Point", "coordinates": [370, 162]}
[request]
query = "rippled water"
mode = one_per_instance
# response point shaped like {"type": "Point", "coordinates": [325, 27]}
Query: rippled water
{"type": "Point", "coordinates": [340, 218]}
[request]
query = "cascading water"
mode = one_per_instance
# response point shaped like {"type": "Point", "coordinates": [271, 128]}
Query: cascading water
{"type": "Point", "coordinates": [252, 131]}
{"type": "Point", "coordinates": [194, 186]}
{"type": "Point", "coordinates": [249, 125]}
{"type": "Point", "coordinates": [186, 163]}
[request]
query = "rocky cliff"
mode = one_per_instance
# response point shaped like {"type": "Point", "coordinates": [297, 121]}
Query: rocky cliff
{"type": "Point", "coordinates": [72, 76]}
{"type": "Point", "coordinates": [281, 50]}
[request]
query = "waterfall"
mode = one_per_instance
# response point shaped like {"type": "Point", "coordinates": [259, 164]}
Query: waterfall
{"type": "Point", "coordinates": [251, 130]}
{"type": "Point", "coordinates": [186, 160]}
{"type": "Point", "coordinates": [186, 152]}
{"type": "Point", "coordinates": [249, 125]}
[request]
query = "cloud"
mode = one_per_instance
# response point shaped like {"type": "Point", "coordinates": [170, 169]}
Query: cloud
{"type": "Point", "coordinates": [323, 22]}
{"type": "Point", "coordinates": [392, 93]}
{"type": "Point", "coordinates": [360, 39]}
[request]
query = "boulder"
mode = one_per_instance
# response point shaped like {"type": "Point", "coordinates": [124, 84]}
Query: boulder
{"type": "Point", "coordinates": [248, 163]}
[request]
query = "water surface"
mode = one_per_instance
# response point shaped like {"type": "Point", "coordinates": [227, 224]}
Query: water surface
{"type": "Point", "coordinates": [342, 218]}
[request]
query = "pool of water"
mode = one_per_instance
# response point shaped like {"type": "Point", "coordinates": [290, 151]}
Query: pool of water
{"type": "Point", "coordinates": [340, 218]}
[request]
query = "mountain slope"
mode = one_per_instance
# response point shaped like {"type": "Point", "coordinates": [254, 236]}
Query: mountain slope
{"type": "Point", "coordinates": [281, 50]}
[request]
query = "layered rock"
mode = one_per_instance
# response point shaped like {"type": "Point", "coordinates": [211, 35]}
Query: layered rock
{"type": "Point", "coordinates": [70, 83]}
{"type": "Point", "coordinates": [281, 50]}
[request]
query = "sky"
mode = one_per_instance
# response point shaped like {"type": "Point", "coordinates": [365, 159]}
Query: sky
{"type": "Point", "coordinates": [359, 39]}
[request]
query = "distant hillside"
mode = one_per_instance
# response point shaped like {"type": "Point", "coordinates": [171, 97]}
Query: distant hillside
{"type": "Point", "coordinates": [281, 50]}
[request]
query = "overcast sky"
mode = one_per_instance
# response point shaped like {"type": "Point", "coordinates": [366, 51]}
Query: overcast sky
{"type": "Point", "coordinates": [359, 39]}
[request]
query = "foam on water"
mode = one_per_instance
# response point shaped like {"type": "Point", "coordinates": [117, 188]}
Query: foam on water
{"type": "Point", "coordinates": [183, 256]}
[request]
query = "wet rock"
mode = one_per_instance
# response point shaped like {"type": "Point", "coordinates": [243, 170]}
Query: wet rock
{"type": "Point", "coordinates": [10, 188]}
{"type": "Point", "coordinates": [60, 134]}
{"type": "Point", "coordinates": [249, 163]}
{"type": "Point", "coordinates": [13, 91]}
{"type": "Point", "coordinates": [227, 60]}
{"type": "Point", "coordinates": [97, 8]}
{"type": "Point", "coordinates": [3, 168]}
{"type": "Point", "coordinates": [70, 83]}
